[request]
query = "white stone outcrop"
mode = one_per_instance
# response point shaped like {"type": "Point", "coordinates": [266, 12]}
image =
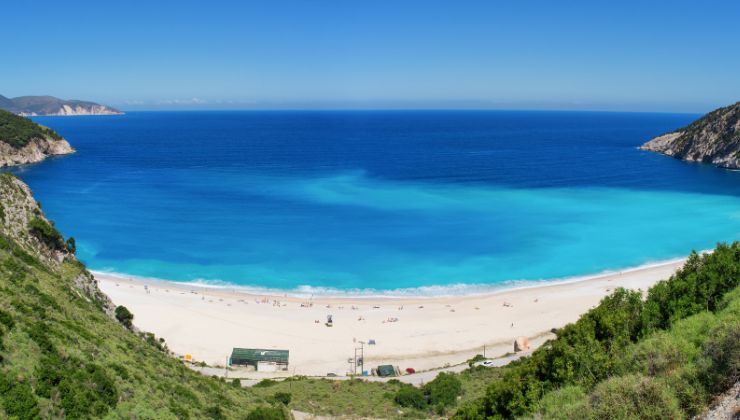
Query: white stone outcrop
{"type": "Point", "coordinates": [36, 150]}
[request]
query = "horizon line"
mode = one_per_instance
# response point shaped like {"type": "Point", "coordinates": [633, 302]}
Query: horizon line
{"type": "Point", "coordinates": [380, 109]}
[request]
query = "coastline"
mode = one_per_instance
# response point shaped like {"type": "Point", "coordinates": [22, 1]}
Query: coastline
{"type": "Point", "coordinates": [421, 292]}
{"type": "Point", "coordinates": [421, 332]}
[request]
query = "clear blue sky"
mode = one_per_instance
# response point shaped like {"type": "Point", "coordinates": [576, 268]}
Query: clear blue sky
{"type": "Point", "coordinates": [617, 55]}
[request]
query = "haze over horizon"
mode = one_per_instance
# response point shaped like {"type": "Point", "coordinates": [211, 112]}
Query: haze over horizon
{"type": "Point", "coordinates": [671, 57]}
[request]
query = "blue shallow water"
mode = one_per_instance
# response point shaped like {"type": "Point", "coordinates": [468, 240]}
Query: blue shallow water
{"type": "Point", "coordinates": [379, 200]}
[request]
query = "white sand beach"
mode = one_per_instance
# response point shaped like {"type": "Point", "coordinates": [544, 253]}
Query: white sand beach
{"type": "Point", "coordinates": [421, 333]}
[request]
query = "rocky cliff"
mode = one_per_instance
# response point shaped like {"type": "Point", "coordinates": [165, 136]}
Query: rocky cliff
{"type": "Point", "coordinates": [22, 141]}
{"type": "Point", "coordinates": [32, 106]}
{"type": "Point", "coordinates": [36, 150]}
{"type": "Point", "coordinates": [714, 139]}
{"type": "Point", "coordinates": [23, 221]}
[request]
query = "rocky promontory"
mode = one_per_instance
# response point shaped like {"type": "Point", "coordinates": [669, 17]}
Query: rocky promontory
{"type": "Point", "coordinates": [32, 106]}
{"type": "Point", "coordinates": [22, 141]}
{"type": "Point", "coordinates": [713, 138]}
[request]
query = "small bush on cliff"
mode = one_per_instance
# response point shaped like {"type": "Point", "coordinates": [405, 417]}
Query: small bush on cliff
{"type": "Point", "coordinates": [46, 233]}
{"type": "Point", "coordinates": [124, 316]}
{"type": "Point", "coordinates": [71, 245]}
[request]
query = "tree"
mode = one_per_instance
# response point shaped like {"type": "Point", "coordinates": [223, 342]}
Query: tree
{"type": "Point", "coordinates": [124, 316]}
{"type": "Point", "coordinates": [443, 390]}
{"type": "Point", "coordinates": [410, 396]}
{"type": "Point", "coordinates": [71, 245]}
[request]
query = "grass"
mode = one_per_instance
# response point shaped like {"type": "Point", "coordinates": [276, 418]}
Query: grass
{"type": "Point", "coordinates": [359, 398]}
{"type": "Point", "coordinates": [47, 318]}
{"type": "Point", "coordinates": [351, 398]}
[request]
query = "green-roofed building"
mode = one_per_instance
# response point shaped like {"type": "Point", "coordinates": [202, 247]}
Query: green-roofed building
{"type": "Point", "coordinates": [262, 360]}
{"type": "Point", "coordinates": [386, 370]}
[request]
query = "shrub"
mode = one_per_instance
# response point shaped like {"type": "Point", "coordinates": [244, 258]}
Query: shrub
{"type": "Point", "coordinates": [236, 383]}
{"type": "Point", "coordinates": [267, 413]}
{"type": "Point", "coordinates": [566, 403]}
{"type": "Point", "coordinates": [410, 396]}
{"type": "Point", "coordinates": [17, 399]}
{"type": "Point", "coordinates": [124, 316]}
{"type": "Point", "coordinates": [686, 384]}
{"type": "Point", "coordinates": [472, 410]}
{"type": "Point", "coordinates": [84, 389]}
{"type": "Point", "coordinates": [443, 390]}
{"type": "Point", "coordinates": [723, 351]}
{"type": "Point", "coordinates": [265, 383]}
{"type": "Point", "coordinates": [282, 398]}
{"type": "Point", "coordinates": [46, 233]}
{"type": "Point", "coordinates": [633, 396]}
{"type": "Point", "coordinates": [658, 355]}
{"type": "Point", "coordinates": [215, 412]}
{"type": "Point", "coordinates": [71, 245]}
{"type": "Point", "coordinates": [6, 319]}
{"type": "Point", "coordinates": [513, 394]}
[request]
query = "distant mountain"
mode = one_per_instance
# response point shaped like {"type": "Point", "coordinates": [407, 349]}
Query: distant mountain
{"type": "Point", "coordinates": [713, 138]}
{"type": "Point", "coordinates": [30, 106]}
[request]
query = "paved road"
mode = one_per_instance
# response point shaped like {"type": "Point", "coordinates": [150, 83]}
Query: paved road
{"type": "Point", "coordinates": [416, 379]}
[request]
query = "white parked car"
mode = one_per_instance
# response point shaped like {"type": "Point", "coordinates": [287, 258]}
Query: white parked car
{"type": "Point", "coordinates": [486, 363]}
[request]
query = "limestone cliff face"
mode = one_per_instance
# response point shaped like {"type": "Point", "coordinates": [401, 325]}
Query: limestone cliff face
{"type": "Point", "coordinates": [17, 209]}
{"type": "Point", "coordinates": [36, 150]}
{"type": "Point", "coordinates": [714, 139]}
{"type": "Point", "coordinates": [72, 109]}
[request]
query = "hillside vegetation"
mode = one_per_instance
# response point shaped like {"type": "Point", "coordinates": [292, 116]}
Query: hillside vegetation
{"type": "Point", "coordinates": [19, 131]}
{"type": "Point", "coordinates": [663, 357]}
{"type": "Point", "coordinates": [62, 353]}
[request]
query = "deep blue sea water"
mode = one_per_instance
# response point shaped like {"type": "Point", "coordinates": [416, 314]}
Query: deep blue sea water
{"type": "Point", "coordinates": [379, 200]}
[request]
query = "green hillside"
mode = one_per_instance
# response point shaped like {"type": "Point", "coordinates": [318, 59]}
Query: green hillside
{"type": "Point", "coordinates": [18, 131]}
{"type": "Point", "coordinates": [61, 352]}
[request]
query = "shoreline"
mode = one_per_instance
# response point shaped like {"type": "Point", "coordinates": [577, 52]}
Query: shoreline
{"type": "Point", "coordinates": [410, 331]}
{"type": "Point", "coordinates": [421, 292]}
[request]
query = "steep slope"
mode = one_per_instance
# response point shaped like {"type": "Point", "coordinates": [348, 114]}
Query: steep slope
{"type": "Point", "coordinates": [61, 352]}
{"type": "Point", "coordinates": [22, 141]}
{"type": "Point", "coordinates": [49, 105]}
{"type": "Point", "coordinates": [714, 138]}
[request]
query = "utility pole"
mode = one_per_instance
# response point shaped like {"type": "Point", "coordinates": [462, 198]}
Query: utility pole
{"type": "Point", "coordinates": [354, 363]}
{"type": "Point", "coordinates": [361, 361]}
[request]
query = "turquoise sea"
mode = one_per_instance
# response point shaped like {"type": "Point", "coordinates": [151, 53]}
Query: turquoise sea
{"type": "Point", "coordinates": [379, 201]}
